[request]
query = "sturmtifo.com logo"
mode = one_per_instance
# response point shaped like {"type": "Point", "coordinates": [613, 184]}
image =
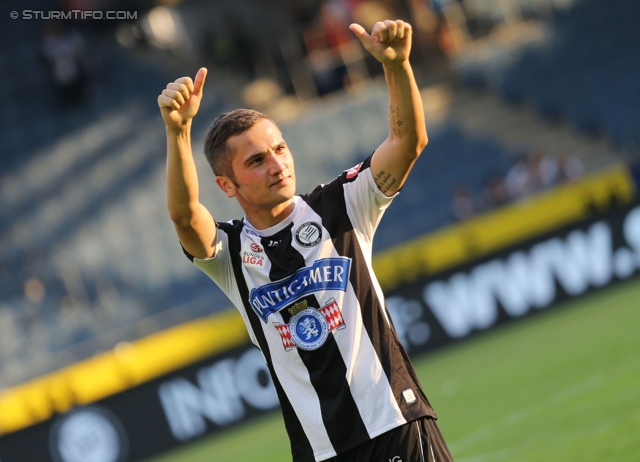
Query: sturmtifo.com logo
{"type": "Point", "coordinates": [89, 433]}
{"type": "Point", "coordinates": [76, 15]}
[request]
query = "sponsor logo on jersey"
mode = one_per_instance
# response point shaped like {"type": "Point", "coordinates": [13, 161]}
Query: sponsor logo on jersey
{"type": "Point", "coordinates": [325, 274]}
{"type": "Point", "coordinates": [253, 254]}
{"type": "Point", "coordinates": [353, 171]}
{"type": "Point", "coordinates": [309, 328]}
{"type": "Point", "coordinates": [252, 259]}
{"type": "Point", "coordinates": [309, 234]}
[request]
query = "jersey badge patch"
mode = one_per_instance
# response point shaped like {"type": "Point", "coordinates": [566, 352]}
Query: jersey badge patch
{"type": "Point", "coordinates": [353, 171]}
{"type": "Point", "coordinates": [253, 255]}
{"type": "Point", "coordinates": [309, 328]}
{"type": "Point", "coordinates": [252, 259]}
{"type": "Point", "coordinates": [309, 234]}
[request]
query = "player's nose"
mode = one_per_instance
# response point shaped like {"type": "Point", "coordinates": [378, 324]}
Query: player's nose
{"type": "Point", "coordinates": [277, 164]}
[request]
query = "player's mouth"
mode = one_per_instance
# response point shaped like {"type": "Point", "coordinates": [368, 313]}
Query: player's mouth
{"type": "Point", "coordinates": [281, 182]}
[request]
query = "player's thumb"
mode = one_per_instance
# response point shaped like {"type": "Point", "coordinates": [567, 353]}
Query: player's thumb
{"type": "Point", "coordinates": [199, 82]}
{"type": "Point", "coordinates": [361, 33]}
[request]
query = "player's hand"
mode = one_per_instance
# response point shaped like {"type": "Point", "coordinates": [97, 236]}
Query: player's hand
{"type": "Point", "coordinates": [180, 101]}
{"type": "Point", "coordinates": [389, 42]}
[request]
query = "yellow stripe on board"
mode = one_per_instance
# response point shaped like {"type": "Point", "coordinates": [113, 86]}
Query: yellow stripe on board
{"type": "Point", "coordinates": [116, 370]}
{"type": "Point", "coordinates": [505, 226]}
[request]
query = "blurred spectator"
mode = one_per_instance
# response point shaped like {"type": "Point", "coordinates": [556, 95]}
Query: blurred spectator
{"type": "Point", "coordinates": [544, 170]}
{"type": "Point", "coordinates": [424, 17]}
{"type": "Point", "coordinates": [367, 12]}
{"type": "Point", "coordinates": [426, 24]}
{"type": "Point", "coordinates": [324, 58]}
{"type": "Point", "coordinates": [519, 181]}
{"type": "Point", "coordinates": [570, 168]}
{"type": "Point", "coordinates": [495, 192]}
{"type": "Point", "coordinates": [335, 17]}
{"type": "Point", "coordinates": [65, 54]}
{"type": "Point", "coordinates": [463, 205]}
{"type": "Point", "coordinates": [529, 174]}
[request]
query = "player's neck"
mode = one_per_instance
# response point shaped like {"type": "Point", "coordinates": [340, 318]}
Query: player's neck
{"type": "Point", "coordinates": [266, 218]}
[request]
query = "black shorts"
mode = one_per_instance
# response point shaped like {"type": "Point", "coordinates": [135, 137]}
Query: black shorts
{"type": "Point", "coordinates": [416, 441]}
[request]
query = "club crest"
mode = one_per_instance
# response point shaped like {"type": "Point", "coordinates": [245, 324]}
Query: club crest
{"type": "Point", "coordinates": [309, 234]}
{"type": "Point", "coordinates": [309, 328]}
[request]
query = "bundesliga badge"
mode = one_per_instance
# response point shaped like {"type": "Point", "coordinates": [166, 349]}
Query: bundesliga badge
{"type": "Point", "coordinates": [309, 328]}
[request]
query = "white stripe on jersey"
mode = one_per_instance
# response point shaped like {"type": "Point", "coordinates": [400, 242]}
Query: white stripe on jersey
{"type": "Point", "coordinates": [364, 371]}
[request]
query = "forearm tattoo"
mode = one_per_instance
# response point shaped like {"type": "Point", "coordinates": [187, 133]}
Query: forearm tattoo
{"type": "Point", "coordinates": [394, 121]}
{"type": "Point", "coordinates": [385, 181]}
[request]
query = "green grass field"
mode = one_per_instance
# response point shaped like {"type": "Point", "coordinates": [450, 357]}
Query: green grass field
{"type": "Point", "coordinates": [564, 386]}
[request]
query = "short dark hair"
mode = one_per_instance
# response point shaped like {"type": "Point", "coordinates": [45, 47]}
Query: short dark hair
{"type": "Point", "coordinates": [225, 126]}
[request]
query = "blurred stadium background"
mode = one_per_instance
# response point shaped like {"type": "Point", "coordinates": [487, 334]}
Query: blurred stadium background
{"type": "Point", "coordinates": [113, 344]}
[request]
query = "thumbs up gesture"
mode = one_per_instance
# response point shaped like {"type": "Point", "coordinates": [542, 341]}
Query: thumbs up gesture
{"type": "Point", "coordinates": [180, 101]}
{"type": "Point", "coordinates": [389, 42]}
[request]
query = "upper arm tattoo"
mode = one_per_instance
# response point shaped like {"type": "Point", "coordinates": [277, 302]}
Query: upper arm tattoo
{"type": "Point", "coordinates": [385, 181]}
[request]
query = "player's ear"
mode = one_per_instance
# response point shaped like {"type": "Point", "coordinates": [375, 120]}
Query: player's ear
{"type": "Point", "coordinates": [227, 185]}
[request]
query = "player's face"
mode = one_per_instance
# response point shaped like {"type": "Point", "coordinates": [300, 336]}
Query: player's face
{"type": "Point", "coordinates": [263, 168]}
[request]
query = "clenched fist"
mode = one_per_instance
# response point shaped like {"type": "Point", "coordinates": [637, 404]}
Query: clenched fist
{"type": "Point", "coordinates": [180, 101]}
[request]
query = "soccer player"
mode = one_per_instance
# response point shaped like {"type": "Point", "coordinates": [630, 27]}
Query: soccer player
{"type": "Point", "coordinates": [298, 267]}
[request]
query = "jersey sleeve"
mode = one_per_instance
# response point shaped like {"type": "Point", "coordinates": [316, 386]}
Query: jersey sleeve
{"type": "Point", "coordinates": [364, 201]}
{"type": "Point", "coordinates": [218, 267]}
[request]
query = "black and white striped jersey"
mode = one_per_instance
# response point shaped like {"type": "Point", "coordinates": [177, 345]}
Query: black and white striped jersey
{"type": "Point", "coordinates": [311, 303]}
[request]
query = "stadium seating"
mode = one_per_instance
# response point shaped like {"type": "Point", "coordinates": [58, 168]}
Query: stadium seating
{"type": "Point", "coordinates": [587, 72]}
{"type": "Point", "coordinates": [82, 210]}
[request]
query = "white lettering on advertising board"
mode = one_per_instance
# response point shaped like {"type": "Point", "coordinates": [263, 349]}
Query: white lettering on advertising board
{"type": "Point", "coordinates": [524, 280]}
{"type": "Point", "coordinates": [224, 390]}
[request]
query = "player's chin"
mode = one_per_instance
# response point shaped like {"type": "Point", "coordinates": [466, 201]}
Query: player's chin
{"type": "Point", "coordinates": [288, 191]}
{"type": "Point", "coordinates": [285, 193]}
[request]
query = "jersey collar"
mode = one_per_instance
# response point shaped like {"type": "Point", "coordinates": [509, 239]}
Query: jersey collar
{"type": "Point", "coordinates": [297, 200]}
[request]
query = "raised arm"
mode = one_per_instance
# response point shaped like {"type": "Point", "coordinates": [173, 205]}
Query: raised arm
{"type": "Point", "coordinates": [390, 43]}
{"type": "Point", "coordinates": [179, 103]}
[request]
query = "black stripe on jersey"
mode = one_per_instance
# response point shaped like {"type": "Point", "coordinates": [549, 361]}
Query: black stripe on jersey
{"type": "Point", "coordinates": [301, 449]}
{"type": "Point", "coordinates": [329, 203]}
{"type": "Point", "coordinates": [285, 259]}
{"type": "Point", "coordinates": [327, 370]}
{"type": "Point", "coordinates": [340, 414]}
